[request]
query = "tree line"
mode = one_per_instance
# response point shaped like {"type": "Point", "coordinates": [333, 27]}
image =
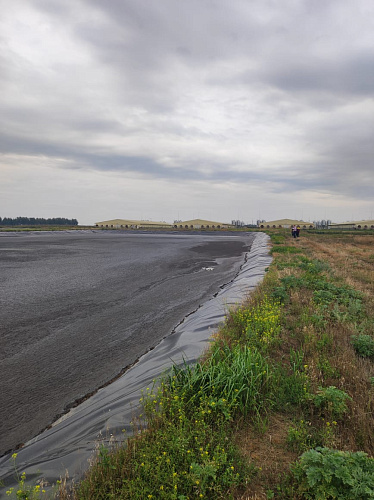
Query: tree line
{"type": "Point", "coordinates": [37, 221]}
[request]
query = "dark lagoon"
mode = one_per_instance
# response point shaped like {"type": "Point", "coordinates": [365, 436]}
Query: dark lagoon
{"type": "Point", "coordinates": [77, 308]}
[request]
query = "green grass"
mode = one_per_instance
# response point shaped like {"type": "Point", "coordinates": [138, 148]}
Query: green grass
{"type": "Point", "coordinates": [233, 381]}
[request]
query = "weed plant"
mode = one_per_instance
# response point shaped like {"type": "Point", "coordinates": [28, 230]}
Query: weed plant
{"type": "Point", "coordinates": [332, 402]}
{"type": "Point", "coordinates": [301, 436]}
{"type": "Point", "coordinates": [23, 490]}
{"type": "Point", "coordinates": [323, 473]}
{"type": "Point", "coordinates": [363, 345]}
{"type": "Point", "coordinates": [260, 324]}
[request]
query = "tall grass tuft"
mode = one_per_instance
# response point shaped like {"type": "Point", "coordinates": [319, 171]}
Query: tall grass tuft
{"type": "Point", "coordinates": [239, 379]}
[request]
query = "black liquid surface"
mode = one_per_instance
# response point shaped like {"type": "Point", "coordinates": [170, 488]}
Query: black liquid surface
{"type": "Point", "coordinates": [76, 308]}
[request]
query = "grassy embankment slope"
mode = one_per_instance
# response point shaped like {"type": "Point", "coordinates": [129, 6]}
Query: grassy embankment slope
{"type": "Point", "coordinates": [290, 371]}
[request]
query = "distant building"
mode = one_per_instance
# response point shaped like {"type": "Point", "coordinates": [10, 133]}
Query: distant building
{"type": "Point", "coordinates": [284, 223]}
{"type": "Point", "coordinates": [202, 224]}
{"type": "Point", "coordinates": [145, 224]}
{"type": "Point", "coordinates": [322, 224]}
{"type": "Point", "coordinates": [132, 224]}
{"type": "Point", "coordinates": [361, 224]}
{"type": "Point", "coordinates": [237, 223]}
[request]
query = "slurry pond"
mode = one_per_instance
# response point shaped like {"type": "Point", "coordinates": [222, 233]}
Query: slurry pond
{"type": "Point", "coordinates": [78, 308]}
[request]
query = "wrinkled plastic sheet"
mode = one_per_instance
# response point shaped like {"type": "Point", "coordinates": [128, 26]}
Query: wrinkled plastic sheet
{"type": "Point", "coordinates": [70, 443]}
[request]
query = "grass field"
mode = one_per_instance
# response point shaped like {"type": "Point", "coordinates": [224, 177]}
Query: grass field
{"type": "Point", "coordinates": [280, 407]}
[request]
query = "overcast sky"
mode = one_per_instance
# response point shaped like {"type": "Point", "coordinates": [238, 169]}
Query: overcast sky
{"type": "Point", "coordinates": [178, 109]}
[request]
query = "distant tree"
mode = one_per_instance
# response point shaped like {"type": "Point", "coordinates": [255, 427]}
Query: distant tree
{"type": "Point", "coordinates": [32, 221]}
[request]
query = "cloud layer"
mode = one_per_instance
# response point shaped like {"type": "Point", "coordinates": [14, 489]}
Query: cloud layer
{"type": "Point", "coordinates": [255, 109]}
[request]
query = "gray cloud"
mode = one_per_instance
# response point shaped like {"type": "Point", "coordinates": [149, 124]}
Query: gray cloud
{"type": "Point", "coordinates": [273, 95]}
{"type": "Point", "coordinates": [353, 76]}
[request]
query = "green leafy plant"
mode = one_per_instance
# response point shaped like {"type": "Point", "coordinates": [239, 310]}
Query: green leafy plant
{"type": "Point", "coordinates": [323, 297]}
{"type": "Point", "coordinates": [323, 473]}
{"type": "Point", "coordinates": [326, 293]}
{"type": "Point", "coordinates": [280, 294]}
{"type": "Point", "coordinates": [331, 401]}
{"type": "Point", "coordinates": [314, 266]}
{"type": "Point", "coordinates": [355, 308]}
{"type": "Point", "coordinates": [104, 458]}
{"type": "Point", "coordinates": [363, 345]}
{"type": "Point", "coordinates": [293, 282]}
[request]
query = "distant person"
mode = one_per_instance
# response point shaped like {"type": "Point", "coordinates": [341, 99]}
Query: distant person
{"type": "Point", "coordinates": [293, 231]}
{"type": "Point", "coordinates": [298, 231]}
